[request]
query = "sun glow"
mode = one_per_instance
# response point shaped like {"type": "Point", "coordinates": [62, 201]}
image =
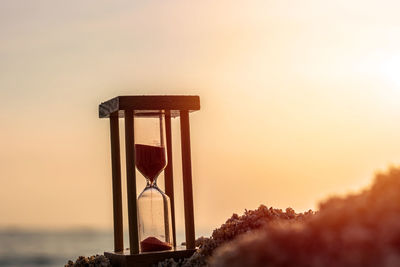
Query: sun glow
{"type": "Point", "coordinates": [389, 69]}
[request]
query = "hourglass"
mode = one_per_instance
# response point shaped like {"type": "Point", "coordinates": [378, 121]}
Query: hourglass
{"type": "Point", "coordinates": [148, 151]}
{"type": "Point", "coordinates": [154, 209]}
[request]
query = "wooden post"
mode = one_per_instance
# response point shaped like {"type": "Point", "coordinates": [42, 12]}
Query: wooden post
{"type": "Point", "coordinates": [131, 182]}
{"type": "Point", "coordinates": [168, 172]}
{"type": "Point", "coordinates": [116, 183]}
{"type": "Point", "coordinates": [187, 180]}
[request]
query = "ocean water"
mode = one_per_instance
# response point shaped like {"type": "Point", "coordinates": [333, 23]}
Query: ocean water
{"type": "Point", "coordinates": [50, 248]}
{"type": "Point", "coordinates": [21, 248]}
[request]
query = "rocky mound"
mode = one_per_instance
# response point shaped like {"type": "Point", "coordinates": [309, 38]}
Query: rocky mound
{"type": "Point", "coordinates": [92, 261]}
{"type": "Point", "coordinates": [359, 230]}
{"type": "Point", "coordinates": [234, 227]}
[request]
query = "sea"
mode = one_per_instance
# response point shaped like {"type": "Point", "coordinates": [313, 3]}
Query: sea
{"type": "Point", "coordinates": [53, 248]}
{"type": "Point", "coordinates": [21, 248]}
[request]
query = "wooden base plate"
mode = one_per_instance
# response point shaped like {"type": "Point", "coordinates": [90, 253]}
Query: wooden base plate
{"type": "Point", "coordinates": [146, 259]}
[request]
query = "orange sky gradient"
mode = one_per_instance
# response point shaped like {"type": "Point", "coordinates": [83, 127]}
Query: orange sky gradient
{"type": "Point", "coordinates": [299, 101]}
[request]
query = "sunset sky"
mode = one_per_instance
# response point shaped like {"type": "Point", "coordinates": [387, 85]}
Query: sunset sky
{"type": "Point", "coordinates": [300, 100]}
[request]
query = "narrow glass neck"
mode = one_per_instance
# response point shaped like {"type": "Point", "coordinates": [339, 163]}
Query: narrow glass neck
{"type": "Point", "coordinates": [151, 183]}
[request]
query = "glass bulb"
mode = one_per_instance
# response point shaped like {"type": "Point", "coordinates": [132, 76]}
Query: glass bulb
{"type": "Point", "coordinates": [154, 208]}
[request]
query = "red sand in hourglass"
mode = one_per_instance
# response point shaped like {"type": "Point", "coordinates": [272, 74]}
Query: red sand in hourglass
{"type": "Point", "coordinates": [150, 160]}
{"type": "Point", "coordinates": [153, 244]}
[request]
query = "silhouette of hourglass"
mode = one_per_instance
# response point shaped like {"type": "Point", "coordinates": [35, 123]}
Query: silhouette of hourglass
{"type": "Point", "coordinates": [154, 208]}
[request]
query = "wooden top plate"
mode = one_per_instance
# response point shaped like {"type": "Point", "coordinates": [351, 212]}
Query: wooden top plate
{"type": "Point", "coordinates": [149, 104]}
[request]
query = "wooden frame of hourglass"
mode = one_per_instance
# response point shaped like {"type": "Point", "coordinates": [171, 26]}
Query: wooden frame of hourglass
{"type": "Point", "coordinates": [125, 107]}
